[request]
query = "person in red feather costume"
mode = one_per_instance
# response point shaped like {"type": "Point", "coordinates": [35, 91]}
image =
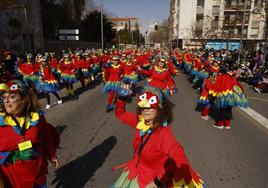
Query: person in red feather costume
{"type": "Point", "coordinates": [160, 77]}
{"type": "Point", "coordinates": [158, 160]}
{"type": "Point", "coordinates": [112, 81]}
{"type": "Point", "coordinates": [47, 82]}
{"type": "Point", "coordinates": [204, 102]}
{"type": "Point", "coordinates": [228, 93]}
{"type": "Point", "coordinates": [80, 64]}
{"type": "Point", "coordinates": [27, 140]}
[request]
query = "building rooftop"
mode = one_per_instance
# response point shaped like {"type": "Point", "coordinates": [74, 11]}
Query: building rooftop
{"type": "Point", "coordinates": [123, 19]}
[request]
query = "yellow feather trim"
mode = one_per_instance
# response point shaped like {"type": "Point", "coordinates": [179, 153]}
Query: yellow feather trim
{"type": "Point", "coordinates": [21, 120]}
{"type": "Point", "coordinates": [192, 184]}
{"type": "Point", "coordinates": [142, 126]}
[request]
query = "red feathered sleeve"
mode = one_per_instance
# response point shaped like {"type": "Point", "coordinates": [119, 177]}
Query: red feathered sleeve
{"type": "Point", "coordinates": [178, 163]}
{"type": "Point", "coordinates": [106, 74]}
{"type": "Point", "coordinates": [171, 68]}
{"type": "Point", "coordinates": [125, 117]}
{"type": "Point", "coordinates": [170, 81]}
{"type": "Point", "coordinates": [51, 138]}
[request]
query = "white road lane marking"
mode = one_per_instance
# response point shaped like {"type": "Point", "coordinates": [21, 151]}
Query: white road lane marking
{"type": "Point", "coordinates": [256, 116]}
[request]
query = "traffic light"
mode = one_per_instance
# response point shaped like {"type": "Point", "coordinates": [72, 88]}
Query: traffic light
{"type": "Point", "coordinates": [156, 27]}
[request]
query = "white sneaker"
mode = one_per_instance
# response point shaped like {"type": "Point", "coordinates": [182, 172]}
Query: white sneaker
{"type": "Point", "coordinates": [204, 117]}
{"type": "Point", "coordinates": [59, 101]}
{"type": "Point", "coordinates": [218, 126]}
{"type": "Point", "coordinates": [47, 106]}
{"type": "Point", "coordinates": [257, 89]}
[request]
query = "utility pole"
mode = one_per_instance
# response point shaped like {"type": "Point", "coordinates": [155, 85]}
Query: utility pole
{"type": "Point", "coordinates": [131, 36]}
{"type": "Point", "coordinates": [242, 32]}
{"type": "Point", "coordinates": [265, 33]}
{"type": "Point", "coordinates": [102, 25]}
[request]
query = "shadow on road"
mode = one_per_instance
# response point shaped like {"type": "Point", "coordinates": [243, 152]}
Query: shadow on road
{"type": "Point", "coordinates": [60, 128]}
{"type": "Point", "coordinates": [81, 90]}
{"type": "Point", "coordinates": [78, 172]}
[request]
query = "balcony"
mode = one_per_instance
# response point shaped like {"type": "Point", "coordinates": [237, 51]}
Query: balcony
{"type": "Point", "coordinates": [235, 7]}
{"type": "Point", "coordinates": [235, 36]}
{"type": "Point", "coordinates": [255, 24]}
{"type": "Point", "coordinates": [254, 36]}
{"type": "Point", "coordinates": [233, 22]}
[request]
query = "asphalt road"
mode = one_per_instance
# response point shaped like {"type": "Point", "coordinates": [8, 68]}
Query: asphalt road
{"type": "Point", "coordinates": [93, 142]}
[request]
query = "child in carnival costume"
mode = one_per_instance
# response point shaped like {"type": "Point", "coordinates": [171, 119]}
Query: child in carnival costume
{"type": "Point", "coordinates": [123, 59]}
{"type": "Point", "coordinates": [29, 71]}
{"type": "Point", "coordinates": [95, 66]}
{"type": "Point", "coordinates": [80, 64]}
{"type": "Point", "coordinates": [159, 77]}
{"type": "Point", "coordinates": [54, 63]}
{"type": "Point", "coordinates": [48, 82]}
{"type": "Point", "coordinates": [228, 93]}
{"type": "Point", "coordinates": [68, 71]}
{"type": "Point", "coordinates": [187, 62]}
{"type": "Point", "coordinates": [197, 64]}
{"type": "Point", "coordinates": [130, 76]}
{"type": "Point", "coordinates": [112, 81]}
{"type": "Point", "coordinates": [198, 81]}
{"type": "Point", "coordinates": [158, 159]}
{"type": "Point", "coordinates": [204, 101]}
{"type": "Point", "coordinates": [27, 140]}
{"type": "Point", "coordinates": [86, 67]}
{"type": "Point", "coordinates": [214, 66]}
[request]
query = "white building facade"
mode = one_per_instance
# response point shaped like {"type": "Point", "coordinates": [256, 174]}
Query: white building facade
{"type": "Point", "coordinates": [193, 20]}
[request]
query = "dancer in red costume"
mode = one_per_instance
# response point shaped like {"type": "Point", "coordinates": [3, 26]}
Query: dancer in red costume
{"type": "Point", "coordinates": [112, 78]}
{"type": "Point", "coordinates": [158, 160]}
{"type": "Point", "coordinates": [228, 93]}
{"type": "Point", "coordinates": [68, 71]}
{"type": "Point", "coordinates": [80, 64]}
{"type": "Point", "coordinates": [27, 141]}
{"type": "Point", "coordinates": [204, 102]}
{"type": "Point", "coordinates": [214, 67]}
{"type": "Point", "coordinates": [130, 76]}
{"type": "Point", "coordinates": [47, 82]}
{"type": "Point", "coordinates": [159, 77]}
{"type": "Point", "coordinates": [29, 71]}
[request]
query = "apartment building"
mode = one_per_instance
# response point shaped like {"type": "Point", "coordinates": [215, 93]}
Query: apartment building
{"type": "Point", "coordinates": [192, 22]}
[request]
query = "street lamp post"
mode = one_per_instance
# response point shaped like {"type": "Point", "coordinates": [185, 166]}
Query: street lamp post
{"type": "Point", "coordinates": [242, 32]}
{"type": "Point", "coordinates": [102, 25]}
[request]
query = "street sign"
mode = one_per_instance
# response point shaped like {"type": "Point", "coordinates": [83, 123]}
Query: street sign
{"type": "Point", "coordinates": [69, 31]}
{"type": "Point", "coordinates": [69, 37]}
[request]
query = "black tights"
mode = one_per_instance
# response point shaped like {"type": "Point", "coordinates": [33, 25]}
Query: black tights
{"type": "Point", "coordinates": [54, 93]}
{"type": "Point", "coordinates": [69, 86]}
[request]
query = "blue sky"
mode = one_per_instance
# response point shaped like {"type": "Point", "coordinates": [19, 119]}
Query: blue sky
{"type": "Point", "coordinates": [147, 10]}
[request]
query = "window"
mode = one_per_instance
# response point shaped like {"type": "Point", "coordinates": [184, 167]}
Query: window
{"type": "Point", "coordinates": [199, 17]}
{"type": "Point", "coordinates": [216, 18]}
{"type": "Point", "coordinates": [254, 31]}
{"type": "Point", "coordinates": [200, 3]}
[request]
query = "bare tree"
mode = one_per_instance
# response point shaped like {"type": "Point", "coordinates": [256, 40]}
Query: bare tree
{"type": "Point", "coordinates": [203, 31]}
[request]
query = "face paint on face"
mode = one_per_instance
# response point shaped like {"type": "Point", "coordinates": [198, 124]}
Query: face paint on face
{"type": "Point", "coordinates": [11, 102]}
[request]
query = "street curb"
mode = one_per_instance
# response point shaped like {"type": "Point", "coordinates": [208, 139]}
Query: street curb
{"type": "Point", "coordinates": [256, 116]}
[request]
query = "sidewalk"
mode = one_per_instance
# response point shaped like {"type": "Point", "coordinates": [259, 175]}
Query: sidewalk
{"type": "Point", "coordinates": [257, 101]}
{"type": "Point", "coordinates": [258, 105]}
